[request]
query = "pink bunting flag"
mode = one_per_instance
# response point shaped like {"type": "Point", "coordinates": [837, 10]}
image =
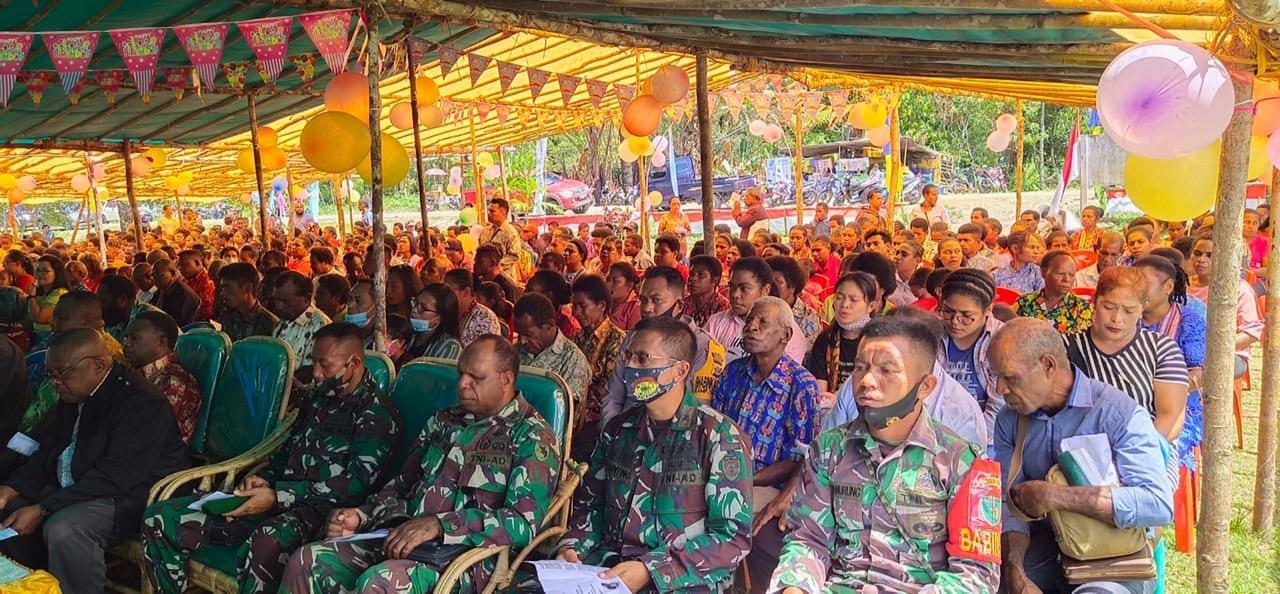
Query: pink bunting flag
{"type": "Point", "coordinates": [503, 112]}
{"type": "Point", "coordinates": [140, 50]}
{"type": "Point", "coordinates": [203, 44]}
{"type": "Point", "coordinates": [482, 110]}
{"type": "Point", "coordinates": [71, 52]}
{"type": "Point", "coordinates": [507, 72]}
{"type": "Point", "coordinates": [36, 83]}
{"type": "Point", "coordinates": [568, 84]}
{"type": "Point", "coordinates": [477, 64]}
{"type": "Point", "coordinates": [269, 40]}
{"type": "Point", "coordinates": [110, 81]}
{"type": "Point", "coordinates": [596, 90]}
{"type": "Point", "coordinates": [537, 79]}
{"type": "Point", "coordinates": [446, 107]}
{"type": "Point", "coordinates": [839, 101]}
{"type": "Point", "coordinates": [733, 101]}
{"type": "Point", "coordinates": [625, 94]}
{"type": "Point", "coordinates": [449, 55]}
{"type": "Point", "coordinates": [330, 31]}
{"type": "Point", "coordinates": [812, 104]}
{"type": "Point", "coordinates": [14, 48]}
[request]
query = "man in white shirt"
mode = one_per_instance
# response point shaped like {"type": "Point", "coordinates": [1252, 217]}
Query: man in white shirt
{"type": "Point", "coordinates": [929, 209]}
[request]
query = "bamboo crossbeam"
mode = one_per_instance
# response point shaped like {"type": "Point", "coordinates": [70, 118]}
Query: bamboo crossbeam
{"type": "Point", "coordinates": [1191, 7]}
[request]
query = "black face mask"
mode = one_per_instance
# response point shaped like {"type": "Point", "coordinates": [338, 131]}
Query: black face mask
{"type": "Point", "coordinates": [883, 417]}
{"type": "Point", "coordinates": [332, 387]}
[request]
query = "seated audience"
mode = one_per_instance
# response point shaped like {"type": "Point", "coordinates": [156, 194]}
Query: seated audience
{"type": "Point", "coordinates": [148, 345]}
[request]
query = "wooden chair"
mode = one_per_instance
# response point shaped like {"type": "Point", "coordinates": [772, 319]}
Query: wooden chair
{"type": "Point", "coordinates": [547, 393]}
{"type": "Point", "coordinates": [244, 420]}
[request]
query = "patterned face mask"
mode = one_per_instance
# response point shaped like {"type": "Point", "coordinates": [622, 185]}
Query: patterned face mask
{"type": "Point", "coordinates": [642, 382]}
{"type": "Point", "coordinates": [331, 387]}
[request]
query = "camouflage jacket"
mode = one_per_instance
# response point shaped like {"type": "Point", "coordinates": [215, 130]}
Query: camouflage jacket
{"type": "Point", "coordinates": [489, 480]}
{"type": "Point", "coordinates": [675, 496]}
{"type": "Point", "coordinates": [335, 452]}
{"type": "Point", "coordinates": [868, 515]}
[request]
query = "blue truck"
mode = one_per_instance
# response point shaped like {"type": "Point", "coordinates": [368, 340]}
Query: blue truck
{"type": "Point", "coordinates": [680, 178]}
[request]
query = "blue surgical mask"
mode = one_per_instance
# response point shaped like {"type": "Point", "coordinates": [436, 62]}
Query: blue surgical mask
{"type": "Point", "coordinates": [360, 319]}
{"type": "Point", "coordinates": [420, 326]}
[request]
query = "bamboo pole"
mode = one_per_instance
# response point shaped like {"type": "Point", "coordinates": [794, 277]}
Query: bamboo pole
{"type": "Point", "coordinates": [417, 139]}
{"type": "Point", "coordinates": [704, 152]}
{"type": "Point", "coordinates": [895, 145]}
{"type": "Point", "coordinates": [1017, 167]}
{"type": "Point", "coordinates": [1264, 486]}
{"type": "Point", "coordinates": [478, 183]}
{"type": "Point", "coordinates": [335, 186]}
{"type": "Point", "coordinates": [1212, 570]}
{"type": "Point", "coordinates": [375, 193]}
{"type": "Point", "coordinates": [257, 171]}
{"type": "Point", "coordinates": [75, 229]}
{"type": "Point", "coordinates": [502, 165]}
{"type": "Point", "coordinates": [97, 207]}
{"type": "Point", "coordinates": [126, 149]}
{"type": "Point", "coordinates": [798, 164]}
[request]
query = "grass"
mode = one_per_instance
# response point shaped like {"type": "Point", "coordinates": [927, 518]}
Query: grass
{"type": "Point", "coordinates": [1255, 562]}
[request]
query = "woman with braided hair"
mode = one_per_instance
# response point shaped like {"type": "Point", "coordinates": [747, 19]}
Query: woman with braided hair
{"type": "Point", "coordinates": [835, 349]}
{"type": "Point", "coordinates": [966, 312]}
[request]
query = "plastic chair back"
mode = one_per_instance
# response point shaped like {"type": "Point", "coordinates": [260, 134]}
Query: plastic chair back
{"type": "Point", "coordinates": [250, 397]}
{"type": "Point", "coordinates": [422, 388]}
{"type": "Point", "coordinates": [1084, 258]}
{"type": "Point", "coordinates": [383, 371]}
{"type": "Point", "coordinates": [36, 366]}
{"type": "Point", "coordinates": [196, 326]}
{"type": "Point", "coordinates": [203, 353]}
{"type": "Point", "coordinates": [1007, 296]}
{"type": "Point", "coordinates": [1086, 292]}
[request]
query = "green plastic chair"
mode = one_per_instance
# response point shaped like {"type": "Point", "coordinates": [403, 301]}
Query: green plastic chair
{"type": "Point", "coordinates": [423, 387]}
{"type": "Point", "coordinates": [382, 369]}
{"type": "Point", "coordinates": [250, 396]}
{"type": "Point", "coordinates": [203, 353]}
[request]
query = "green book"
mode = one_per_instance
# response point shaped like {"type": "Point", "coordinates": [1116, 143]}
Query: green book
{"type": "Point", "coordinates": [1071, 469]}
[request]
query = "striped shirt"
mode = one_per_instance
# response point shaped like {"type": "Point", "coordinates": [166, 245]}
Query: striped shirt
{"type": "Point", "coordinates": [1134, 369]}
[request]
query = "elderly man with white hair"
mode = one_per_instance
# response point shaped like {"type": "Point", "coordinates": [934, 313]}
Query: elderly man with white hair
{"type": "Point", "coordinates": [774, 399]}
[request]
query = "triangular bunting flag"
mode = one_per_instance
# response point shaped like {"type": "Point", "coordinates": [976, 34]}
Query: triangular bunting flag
{"type": "Point", "coordinates": [71, 53]}
{"type": "Point", "coordinates": [477, 64]}
{"type": "Point", "coordinates": [568, 84]}
{"type": "Point", "coordinates": [596, 90]}
{"type": "Point", "coordinates": [839, 102]}
{"type": "Point", "coordinates": [507, 72]}
{"type": "Point", "coordinates": [733, 101]}
{"type": "Point", "coordinates": [482, 110]}
{"type": "Point", "coordinates": [449, 55]}
{"type": "Point", "coordinates": [503, 111]}
{"type": "Point", "coordinates": [13, 54]}
{"type": "Point", "coordinates": [330, 32]}
{"type": "Point", "coordinates": [203, 44]}
{"type": "Point", "coordinates": [625, 94]}
{"type": "Point", "coordinates": [269, 40]}
{"type": "Point", "coordinates": [140, 50]}
{"type": "Point", "coordinates": [537, 79]}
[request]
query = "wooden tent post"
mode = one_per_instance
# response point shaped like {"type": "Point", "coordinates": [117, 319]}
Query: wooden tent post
{"type": "Point", "coordinates": [75, 229]}
{"type": "Point", "coordinates": [375, 192]}
{"type": "Point", "coordinates": [1017, 167]}
{"type": "Point", "coordinates": [336, 188]}
{"type": "Point", "coordinates": [704, 153]}
{"type": "Point", "coordinates": [97, 208]}
{"type": "Point", "coordinates": [417, 139]}
{"type": "Point", "coordinates": [895, 158]}
{"type": "Point", "coordinates": [126, 150]}
{"type": "Point", "coordinates": [1212, 571]}
{"type": "Point", "coordinates": [482, 202]}
{"type": "Point", "coordinates": [502, 166]}
{"type": "Point", "coordinates": [257, 171]}
{"type": "Point", "coordinates": [1264, 489]}
{"type": "Point", "coordinates": [798, 163]}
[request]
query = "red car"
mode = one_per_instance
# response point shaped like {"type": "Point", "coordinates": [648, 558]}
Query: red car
{"type": "Point", "coordinates": [571, 194]}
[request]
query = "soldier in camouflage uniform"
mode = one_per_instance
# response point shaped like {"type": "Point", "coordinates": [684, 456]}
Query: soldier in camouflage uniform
{"type": "Point", "coordinates": [667, 501]}
{"type": "Point", "coordinates": [481, 474]}
{"type": "Point", "coordinates": [873, 505]}
{"type": "Point", "coordinates": [333, 457]}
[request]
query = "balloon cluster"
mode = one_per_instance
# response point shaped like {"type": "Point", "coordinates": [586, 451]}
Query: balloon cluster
{"type": "Point", "coordinates": [140, 165]}
{"type": "Point", "coordinates": [643, 115]}
{"type": "Point", "coordinates": [429, 113]}
{"type": "Point", "coordinates": [338, 139]}
{"type": "Point", "coordinates": [17, 187]}
{"type": "Point", "coordinates": [998, 139]}
{"type": "Point", "coordinates": [1167, 102]}
{"type": "Point", "coordinates": [872, 116]}
{"type": "Point", "coordinates": [491, 169]}
{"type": "Point", "coordinates": [455, 181]}
{"type": "Point", "coordinates": [273, 157]}
{"type": "Point", "coordinates": [180, 183]}
{"type": "Point", "coordinates": [771, 133]}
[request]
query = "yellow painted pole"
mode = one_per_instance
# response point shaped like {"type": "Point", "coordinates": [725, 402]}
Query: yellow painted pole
{"type": "Point", "coordinates": [1017, 176]}
{"type": "Point", "coordinates": [481, 202]}
{"type": "Point", "coordinates": [798, 162]}
{"type": "Point", "coordinates": [895, 157]}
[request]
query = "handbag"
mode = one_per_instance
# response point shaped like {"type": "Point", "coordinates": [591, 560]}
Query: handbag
{"type": "Point", "coordinates": [1083, 540]}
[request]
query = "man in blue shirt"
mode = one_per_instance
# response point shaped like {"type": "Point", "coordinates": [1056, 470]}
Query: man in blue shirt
{"type": "Point", "coordinates": [773, 398]}
{"type": "Point", "coordinates": [1037, 381]}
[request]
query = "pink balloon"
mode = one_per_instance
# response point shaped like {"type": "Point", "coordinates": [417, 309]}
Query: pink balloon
{"type": "Point", "coordinates": [757, 127]}
{"type": "Point", "coordinates": [1165, 99]}
{"type": "Point", "coordinates": [658, 160]}
{"type": "Point", "coordinates": [402, 116]}
{"type": "Point", "coordinates": [99, 172]}
{"type": "Point", "coordinates": [27, 183]}
{"type": "Point", "coordinates": [1007, 123]}
{"type": "Point", "coordinates": [998, 141]}
{"type": "Point", "coordinates": [140, 165]}
{"type": "Point", "coordinates": [772, 133]}
{"type": "Point", "coordinates": [1273, 149]}
{"type": "Point", "coordinates": [80, 183]}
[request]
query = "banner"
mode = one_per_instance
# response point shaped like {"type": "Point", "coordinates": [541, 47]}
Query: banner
{"type": "Point", "coordinates": [70, 52]}
{"type": "Point", "coordinates": [203, 44]}
{"type": "Point", "coordinates": [507, 72]}
{"type": "Point", "coordinates": [568, 84]}
{"type": "Point", "coordinates": [625, 94]}
{"type": "Point", "coordinates": [477, 64]}
{"type": "Point", "coordinates": [503, 111]}
{"type": "Point", "coordinates": [330, 32]}
{"type": "Point", "coordinates": [596, 90]}
{"type": "Point", "coordinates": [482, 110]}
{"type": "Point", "coordinates": [269, 40]}
{"type": "Point", "coordinates": [14, 48]}
{"type": "Point", "coordinates": [140, 50]}
{"type": "Point", "coordinates": [449, 55]}
{"type": "Point", "coordinates": [537, 78]}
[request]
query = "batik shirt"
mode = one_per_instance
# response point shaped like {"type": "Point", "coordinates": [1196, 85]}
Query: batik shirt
{"type": "Point", "coordinates": [489, 480]}
{"type": "Point", "coordinates": [868, 515]}
{"type": "Point", "coordinates": [204, 289]}
{"type": "Point", "coordinates": [702, 311]}
{"type": "Point", "coordinates": [300, 333]}
{"type": "Point", "coordinates": [478, 322]}
{"type": "Point", "coordinates": [1073, 314]}
{"type": "Point", "coordinates": [563, 358]}
{"type": "Point", "coordinates": [673, 495]}
{"type": "Point", "coordinates": [778, 415]}
{"type": "Point", "coordinates": [180, 388]}
{"type": "Point", "coordinates": [809, 321]}
{"type": "Point", "coordinates": [336, 453]}
{"type": "Point", "coordinates": [258, 322]}
{"type": "Point", "coordinates": [1024, 281]}
{"type": "Point", "coordinates": [602, 348]}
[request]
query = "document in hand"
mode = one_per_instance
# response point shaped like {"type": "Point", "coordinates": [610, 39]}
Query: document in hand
{"type": "Point", "coordinates": [1086, 461]}
{"type": "Point", "coordinates": [558, 577]}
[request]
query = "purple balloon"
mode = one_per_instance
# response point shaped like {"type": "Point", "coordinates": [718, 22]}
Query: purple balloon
{"type": "Point", "coordinates": [1165, 99]}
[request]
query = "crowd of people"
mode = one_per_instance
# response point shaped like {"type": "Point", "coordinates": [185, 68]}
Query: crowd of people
{"type": "Point", "coordinates": [813, 406]}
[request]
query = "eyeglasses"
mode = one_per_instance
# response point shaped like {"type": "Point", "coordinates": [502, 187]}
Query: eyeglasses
{"type": "Point", "coordinates": [948, 314]}
{"type": "Point", "coordinates": [60, 375]}
{"type": "Point", "coordinates": [635, 359]}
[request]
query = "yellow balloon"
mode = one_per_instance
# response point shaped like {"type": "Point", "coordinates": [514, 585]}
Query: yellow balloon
{"type": "Point", "coordinates": [1259, 163]}
{"type": "Point", "coordinates": [640, 145]}
{"type": "Point", "coordinates": [452, 190]}
{"type": "Point", "coordinates": [334, 142]}
{"type": "Point", "coordinates": [157, 157]}
{"type": "Point", "coordinates": [877, 114]}
{"type": "Point", "coordinates": [395, 162]}
{"type": "Point", "coordinates": [485, 160]}
{"type": "Point", "coordinates": [274, 159]}
{"type": "Point", "coordinates": [8, 181]}
{"type": "Point", "coordinates": [1174, 189]}
{"type": "Point", "coordinates": [244, 160]}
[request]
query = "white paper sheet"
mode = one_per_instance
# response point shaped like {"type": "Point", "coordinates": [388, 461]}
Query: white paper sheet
{"type": "Point", "coordinates": [198, 505]}
{"type": "Point", "coordinates": [558, 577]}
{"type": "Point", "coordinates": [375, 535]}
{"type": "Point", "coordinates": [1093, 453]}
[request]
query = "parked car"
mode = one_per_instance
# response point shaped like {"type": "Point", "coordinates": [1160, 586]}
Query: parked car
{"type": "Point", "coordinates": [571, 194]}
{"type": "Point", "coordinates": [687, 184]}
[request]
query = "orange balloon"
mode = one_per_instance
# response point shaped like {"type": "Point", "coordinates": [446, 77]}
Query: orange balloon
{"type": "Point", "coordinates": [670, 84]}
{"type": "Point", "coordinates": [267, 137]}
{"type": "Point", "coordinates": [642, 117]}
{"type": "Point", "coordinates": [1266, 98]}
{"type": "Point", "coordinates": [334, 142]}
{"type": "Point", "coordinates": [402, 116]}
{"type": "Point", "coordinates": [428, 92]}
{"type": "Point", "coordinates": [16, 196]}
{"type": "Point", "coordinates": [430, 116]}
{"type": "Point", "coordinates": [244, 160]}
{"type": "Point", "coordinates": [348, 93]}
{"type": "Point", "coordinates": [273, 159]}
